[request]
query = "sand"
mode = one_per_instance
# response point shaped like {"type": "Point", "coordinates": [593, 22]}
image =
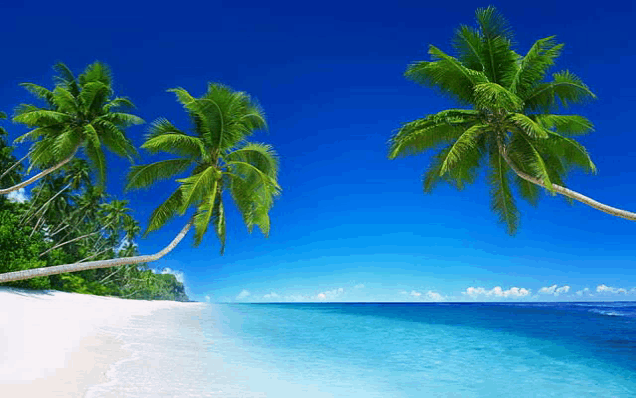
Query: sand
{"type": "Point", "coordinates": [55, 344]}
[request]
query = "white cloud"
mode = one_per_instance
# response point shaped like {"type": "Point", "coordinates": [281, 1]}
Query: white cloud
{"type": "Point", "coordinates": [434, 296]}
{"type": "Point", "coordinates": [497, 291]}
{"type": "Point", "coordinates": [554, 290]}
{"type": "Point", "coordinates": [563, 289]}
{"type": "Point", "coordinates": [584, 291]}
{"type": "Point", "coordinates": [271, 295]}
{"type": "Point", "coordinates": [359, 286]}
{"type": "Point", "coordinates": [427, 296]}
{"type": "Point", "coordinates": [19, 196]}
{"type": "Point", "coordinates": [243, 294]}
{"type": "Point", "coordinates": [609, 289]}
{"type": "Point", "coordinates": [178, 274]}
{"type": "Point", "coordinates": [548, 290]}
{"type": "Point", "coordinates": [207, 299]}
{"type": "Point", "coordinates": [330, 294]}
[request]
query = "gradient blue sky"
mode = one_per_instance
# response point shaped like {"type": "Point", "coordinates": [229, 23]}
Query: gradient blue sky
{"type": "Point", "coordinates": [350, 224]}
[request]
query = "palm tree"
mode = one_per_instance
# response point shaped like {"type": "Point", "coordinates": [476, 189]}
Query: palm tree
{"type": "Point", "coordinates": [7, 160]}
{"type": "Point", "coordinates": [219, 160]}
{"type": "Point", "coordinates": [112, 217]}
{"type": "Point", "coordinates": [79, 113]}
{"type": "Point", "coordinates": [510, 121]}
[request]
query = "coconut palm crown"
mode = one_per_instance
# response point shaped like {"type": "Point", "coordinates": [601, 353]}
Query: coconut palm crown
{"type": "Point", "coordinates": [79, 113]}
{"type": "Point", "coordinates": [218, 159]}
{"type": "Point", "coordinates": [508, 122]}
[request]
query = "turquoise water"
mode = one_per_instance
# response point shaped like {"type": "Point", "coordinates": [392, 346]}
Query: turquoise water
{"type": "Point", "coordinates": [404, 350]}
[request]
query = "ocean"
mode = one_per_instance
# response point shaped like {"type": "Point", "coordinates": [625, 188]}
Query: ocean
{"type": "Point", "coordinates": [380, 350]}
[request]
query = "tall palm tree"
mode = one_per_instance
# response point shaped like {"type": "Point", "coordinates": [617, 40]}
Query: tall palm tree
{"type": "Point", "coordinates": [79, 113]}
{"type": "Point", "coordinates": [509, 123]}
{"type": "Point", "coordinates": [218, 158]}
{"type": "Point", "coordinates": [112, 216]}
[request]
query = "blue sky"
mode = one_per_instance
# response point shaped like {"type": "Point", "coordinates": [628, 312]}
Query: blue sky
{"type": "Point", "coordinates": [352, 225]}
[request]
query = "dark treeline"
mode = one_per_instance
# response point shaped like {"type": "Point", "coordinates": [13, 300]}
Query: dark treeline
{"type": "Point", "coordinates": [69, 219]}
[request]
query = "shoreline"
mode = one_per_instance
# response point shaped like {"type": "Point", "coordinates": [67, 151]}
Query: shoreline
{"type": "Point", "coordinates": [64, 343]}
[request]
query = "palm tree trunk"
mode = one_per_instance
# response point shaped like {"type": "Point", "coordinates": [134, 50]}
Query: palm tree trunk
{"type": "Point", "coordinates": [48, 201]}
{"type": "Point", "coordinates": [15, 165]}
{"type": "Point", "coordinates": [115, 262]}
{"type": "Point", "coordinates": [71, 241]}
{"type": "Point", "coordinates": [568, 192]}
{"type": "Point", "coordinates": [39, 175]}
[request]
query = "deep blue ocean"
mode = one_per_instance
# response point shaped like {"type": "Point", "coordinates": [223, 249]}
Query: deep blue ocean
{"type": "Point", "coordinates": [406, 350]}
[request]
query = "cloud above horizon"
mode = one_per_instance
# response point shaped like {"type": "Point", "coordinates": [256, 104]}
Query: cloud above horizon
{"type": "Point", "coordinates": [555, 290]}
{"type": "Point", "coordinates": [330, 294]}
{"type": "Point", "coordinates": [497, 291]}
{"type": "Point", "coordinates": [425, 296]}
{"type": "Point", "coordinates": [609, 289]}
{"type": "Point", "coordinates": [243, 294]}
{"type": "Point", "coordinates": [271, 295]}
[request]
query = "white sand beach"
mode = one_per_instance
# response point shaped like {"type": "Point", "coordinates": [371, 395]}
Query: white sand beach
{"type": "Point", "coordinates": [56, 344]}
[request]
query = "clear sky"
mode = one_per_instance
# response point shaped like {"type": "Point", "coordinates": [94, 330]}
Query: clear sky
{"type": "Point", "coordinates": [352, 225]}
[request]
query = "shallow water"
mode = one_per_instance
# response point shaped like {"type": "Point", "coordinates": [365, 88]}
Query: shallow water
{"type": "Point", "coordinates": [381, 350]}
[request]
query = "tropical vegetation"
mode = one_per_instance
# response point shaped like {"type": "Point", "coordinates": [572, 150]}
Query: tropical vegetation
{"type": "Point", "coordinates": [218, 160]}
{"type": "Point", "coordinates": [79, 113]}
{"type": "Point", "coordinates": [509, 121]}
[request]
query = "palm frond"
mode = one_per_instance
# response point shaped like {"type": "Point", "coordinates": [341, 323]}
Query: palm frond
{"type": "Point", "coordinates": [33, 116]}
{"type": "Point", "coordinates": [146, 175]}
{"type": "Point", "coordinates": [167, 210]}
{"type": "Point", "coordinates": [195, 188]}
{"type": "Point", "coordinates": [564, 124]}
{"type": "Point", "coordinates": [529, 191]}
{"type": "Point", "coordinates": [447, 74]}
{"type": "Point", "coordinates": [261, 156]}
{"type": "Point", "coordinates": [64, 101]}
{"type": "Point", "coordinates": [502, 200]}
{"type": "Point", "coordinates": [569, 151]}
{"type": "Point", "coordinates": [533, 129]}
{"type": "Point", "coordinates": [526, 156]}
{"type": "Point", "coordinates": [176, 143]}
{"type": "Point", "coordinates": [423, 134]}
{"type": "Point", "coordinates": [66, 79]}
{"type": "Point", "coordinates": [119, 102]}
{"type": "Point", "coordinates": [95, 153]}
{"type": "Point", "coordinates": [466, 144]}
{"type": "Point", "coordinates": [494, 97]}
{"type": "Point", "coordinates": [204, 214]}
{"type": "Point", "coordinates": [492, 23]}
{"type": "Point", "coordinates": [40, 92]}
{"type": "Point", "coordinates": [565, 88]}
{"type": "Point", "coordinates": [97, 72]}
{"type": "Point", "coordinates": [115, 139]}
{"type": "Point", "coordinates": [468, 43]}
{"type": "Point", "coordinates": [535, 64]}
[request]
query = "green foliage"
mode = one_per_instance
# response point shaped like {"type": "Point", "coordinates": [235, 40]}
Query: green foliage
{"type": "Point", "coordinates": [69, 220]}
{"type": "Point", "coordinates": [78, 113]}
{"type": "Point", "coordinates": [18, 249]}
{"type": "Point", "coordinates": [219, 159]}
{"type": "Point", "coordinates": [512, 116]}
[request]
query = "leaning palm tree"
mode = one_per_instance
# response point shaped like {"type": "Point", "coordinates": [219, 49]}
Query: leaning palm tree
{"type": "Point", "coordinates": [219, 160]}
{"type": "Point", "coordinates": [508, 123]}
{"type": "Point", "coordinates": [79, 113]}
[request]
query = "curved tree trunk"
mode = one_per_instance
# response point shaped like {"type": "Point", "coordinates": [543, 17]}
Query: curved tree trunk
{"type": "Point", "coordinates": [39, 175]}
{"type": "Point", "coordinates": [71, 241]}
{"type": "Point", "coordinates": [568, 192]}
{"type": "Point", "coordinates": [115, 262]}
{"type": "Point", "coordinates": [15, 165]}
{"type": "Point", "coordinates": [48, 201]}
